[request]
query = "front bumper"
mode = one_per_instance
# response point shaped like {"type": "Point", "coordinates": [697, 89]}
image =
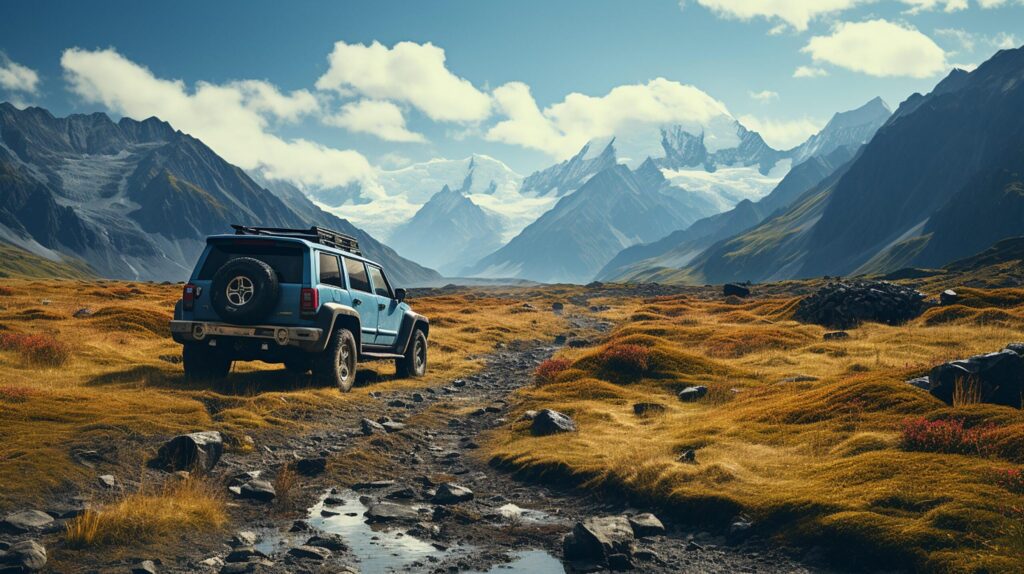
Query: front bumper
{"type": "Point", "coordinates": [196, 331]}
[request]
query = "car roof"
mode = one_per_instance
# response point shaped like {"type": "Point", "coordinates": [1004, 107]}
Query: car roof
{"type": "Point", "coordinates": [303, 242]}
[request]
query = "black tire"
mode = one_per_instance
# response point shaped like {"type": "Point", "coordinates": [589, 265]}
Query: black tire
{"type": "Point", "coordinates": [414, 363]}
{"type": "Point", "coordinates": [203, 363]}
{"type": "Point", "coordinates": [244, 290]}
{"type": "Point", "coordinates": [337, 364]}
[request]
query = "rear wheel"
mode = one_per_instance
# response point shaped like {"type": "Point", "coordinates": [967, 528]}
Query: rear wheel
{"type": "Point", "coordinates": [202, 362]}
{"type": "Point", "coordinates": [337, 364]}
{"type": "Point", "coordinates": [414, 363]}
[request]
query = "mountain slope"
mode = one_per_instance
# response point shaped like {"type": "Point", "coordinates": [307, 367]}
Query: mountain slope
{"type": "Point", "coordinates": [566, 177]}
{"type": "Point", "coordinates": [132, 199]}
{"type": "Point", "coordinates": [612, 210]}
{"type": "Point", "coordinates": [854, 127]}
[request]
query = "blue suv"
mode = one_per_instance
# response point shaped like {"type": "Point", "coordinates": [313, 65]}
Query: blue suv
{"type": "Point", "coordinates": [303, 297]}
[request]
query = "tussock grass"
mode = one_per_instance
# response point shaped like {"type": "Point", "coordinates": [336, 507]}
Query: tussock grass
{"type": "Point", "coordinates": [808, 437]}
{"type": "Point", "coordinates": [144, 517]}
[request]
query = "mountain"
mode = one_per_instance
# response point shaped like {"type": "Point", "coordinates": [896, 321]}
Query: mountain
{"type": "Point", "coordinates": [684, 149]}
{"type": "Point", "coordinates": [819, 156]}
{"type": "Point", "coordinates": [942, 179]}
{"type": "Point", "coordinates": [136, 199]}
{"type": "Point", "coordinates": [566, 177]}
{"type": "Point", "coordinates": [449, 232]}
{"type": "Point", "coordinates": [614, 209]}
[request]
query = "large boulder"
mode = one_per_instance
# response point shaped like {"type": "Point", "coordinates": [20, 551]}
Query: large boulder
{"type": "Point", "coordinates": [846, 305]}
{"type": "Point", "coordinates": [735, 290]}
{"type": "Point", "coordinates": [450, 493]}
{"type": "Point", "coordinates": [690, 394]}
{"type": "Point", "coordinates": [549, 422]}
{"type": "Point", "coordinates": [260, 490]}
{"type": "Point", "coordinates": [646, 524]}
{"type": "Point", "coordinates": [26, 521]}
{"type": "Point", "coordinates": [597, 539]}
{"type": "Point", "coordinates": [996, 377]}
{"type": "Point", "coordinates": [23, 556]}
{"type": "Point", "coordinates": [198, 451]}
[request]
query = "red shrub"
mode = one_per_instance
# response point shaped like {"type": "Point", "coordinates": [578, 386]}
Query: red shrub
{"type": "Point", "coordinates": [548, 370]}
{"type": "Point", "coordinates": [1011, 479]}
{"type": "Point", "coordinates": [627, 358]}
{"type": "Point", "coordinates": [6, 291]}
{"type": "Point", "coordinates": [947, 436]}
{"type": "Point", "coordinates": [37, 349]}
{"type": "Point", "coordinates": [13, 394]}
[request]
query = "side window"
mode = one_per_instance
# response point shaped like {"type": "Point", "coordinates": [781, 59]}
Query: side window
{"type": "Point", "coordinates": [330, 271]}
{"type": "Point", "coordinates": [357, 275]}
{"type": "Point", "coordinates": [380, 285]}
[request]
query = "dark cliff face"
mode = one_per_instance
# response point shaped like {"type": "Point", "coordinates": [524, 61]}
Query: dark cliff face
{"type": "Point", "coordinates": [136, 199]}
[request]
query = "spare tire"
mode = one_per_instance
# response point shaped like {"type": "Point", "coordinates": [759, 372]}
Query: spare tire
{"type": "Point", "coordinates": [244, 290]}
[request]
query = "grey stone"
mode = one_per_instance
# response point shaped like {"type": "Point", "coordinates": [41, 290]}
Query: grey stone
{"type": "Point", "coordinates": [258, 490]}
{"type": "Point", "coordinates": [311, 466]}
{"type": "Point", "coordinates": [108, 481]}
{"type": "Point", "coordinates": [331, 542]}
{"type": "Point", "coordinates": [733, 289]}
{"type": "Point", "coordinates": [999, 378]}
{"type": "Point", "coordinates": [370, 427]}
{"type": "Point", "coordinates": [310, 553]}
{"type": "Point", "coordinates": [194, 451]}
{"type": "Point", "coordinates": [391, 512]}
{"type": "Point", "coordinates": [26, 521]}
{"type": "Point", "coordinates": [597, 538]}
{"type": "Point", "coordinates": [244, 554]}
{"type": "Point", "coordinates": [548, 422]}
{"type": "Point", "coordinates": [450, 493]}
{"type": "Point", "coordinates": [244, 538]}
{"type": "Point", "coordinates": [24, 556]}
{"type": "Point", "coordinates": [648, 409]}
{"type": "Point", "coordinates": [949, 297]}
{"type": "Point", "coordinates": [646, 524]}
{"type": "Point", "coordinates": [144, 567]}
{"type": "Point", "coordinates": [392, 426]}
{"type": "Point", "coordinates": [690, 394]}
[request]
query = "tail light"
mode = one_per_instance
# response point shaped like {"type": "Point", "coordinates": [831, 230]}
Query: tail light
{"type": "Point", "coordinates": [188, 297]}
{"type": "Point", "coordinates": [309, 300]}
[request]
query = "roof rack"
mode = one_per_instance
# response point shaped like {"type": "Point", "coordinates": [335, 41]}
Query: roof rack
{"type": "Point", "coordinates": [315, 234]}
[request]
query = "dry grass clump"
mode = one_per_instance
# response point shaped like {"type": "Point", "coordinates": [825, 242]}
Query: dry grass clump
{"type": "Point", "coordinates": [284, 483]}
{"type": "Point", "coordinates": [549, 370]}
{"type": "Point", "coordinates": [184, 506]}
{"type": "Point", "coordinates": [820, 442]}
{"type": "Point", "coordinates": [38, 349]}
{"type": "Point", "coordinates": [627, 359]}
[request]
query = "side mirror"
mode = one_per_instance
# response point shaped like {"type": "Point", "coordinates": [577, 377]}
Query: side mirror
{"type": "Point", "coordinates": [400, 294]}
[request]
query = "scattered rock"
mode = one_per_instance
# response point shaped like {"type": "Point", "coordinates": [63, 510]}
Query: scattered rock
{"type": "Point", "coordinates": [244, 477]}
{"type": "Point", "coordinates": [648, 409]}
{"type": "Point", "coordinates": [246, 567]}
{"type": "Point", "coordinates": [688, 456]}
{"type": "Point", "coordinates": [548, 422]}
{"type": "Point", "coordinates": [560, 339]}
{"type": "Point", "coordinates": [195, 451]}
{"type": "Point", "coordinates": [83, 312]}
{"type": "Point", "coordinates": [450, 493]}
{"type": "Point", "coordinates": [373, 485]}
{"type": "Point", "coordinates": [370, 427]}
{"type": "Point", "coordinates": [997, 377]}
{"type": "Point", "coordinates": [107, 481]}
{"type": "Point", "coordinates": [392, 426]}
{"type": "Point", "coordinates": [144, 567]}
{"type": "Point", "coordinates": [646, 524]}
{"type": "Point", "coordinates": [244, 538]}
{"type": "Point", "coordinates": [258, 490]}
{"type": "Point", "coordinates": [836, 335]}
{"type": "Point", "coordinates": [735, 290]}
{"type": "Point", "coordinates": [402, 494]}
{"type": "Point", "coordinates": [577, 343]}
{"type": "Point", "coordinates": [311, 466]}
{"type": "Point", "coordinates": [800, 379]}
{"type": "Point", "coordinates": [417, 397]}
{"type": "Point", "coordinates": [690, 394]}
{"type": "Point", "coordinates": [846, 305]}
{"type": "Point", "coordinates": [310, 553]}
{"type": "Point", "coordinates": [557, 307]}
{"type": "Point", "coordinates": [213, 562]}
{"type": "Point", "coordinates": [391, 512]}
{"type": "Point", "coordinates": [23, 556]}
{"type": "Point", "coordinates": [331, 542]}
{"type": "Point", "coordinates": [244, 554]}
{"type": "Point", "coordinates": [300, 526]}
{"type": "Point", "coordinates": [26, 521]}
{"type": "Point", "coordinates": [597, 539]}
{"type": "Point", "coordinates": [949, 297]}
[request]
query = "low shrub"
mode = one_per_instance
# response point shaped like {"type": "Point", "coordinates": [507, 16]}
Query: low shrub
{"type": "Point", "coordinates": [627, 358]}
{"type": "Point", "coordinates": [43, 350]}
{"type": "Point", "coordinates": [6, 291]}
{"type": "Point", "coordinates": [13, 394]}
{"type": "Point", "coordinates": [946, 436]}
{"type": "Point", "coordinates": [548, 371]}
{"type": "Point", "coordinates": [1012, 479]}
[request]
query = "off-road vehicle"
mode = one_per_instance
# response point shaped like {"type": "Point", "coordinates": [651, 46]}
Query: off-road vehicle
{"type": "Point", "coordinates": [303, 297]}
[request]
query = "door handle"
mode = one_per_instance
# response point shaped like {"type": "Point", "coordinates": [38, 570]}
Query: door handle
{"type": "Point", "coordinates": [380, 306]}
{"type": "Point", "coordinates": [357, 302]}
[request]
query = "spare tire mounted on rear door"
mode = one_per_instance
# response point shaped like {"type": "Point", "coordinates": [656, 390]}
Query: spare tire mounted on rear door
{"type": "Point", "coordinates": [244, 290]}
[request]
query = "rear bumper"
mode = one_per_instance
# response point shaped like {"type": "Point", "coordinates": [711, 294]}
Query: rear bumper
{"type": "Point", "coordinates": [305, 338]}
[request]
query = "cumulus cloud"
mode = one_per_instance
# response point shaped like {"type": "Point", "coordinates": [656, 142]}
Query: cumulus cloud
{"type": "Point", "coordinates": [382, 119]}
{"type": "Point", "coordinates": [879, 48]}
{"type": "Point", "coordinates": [561, 129]}
{"type": "Point", "coordinates": [408, 72]}
{"type": "Point", "coordinates": [917, 6]}
{"type": "Point", "coordinates": [17, 78]}
{"type": "Point", "coordinates": [764, 95]}
{"type": "Point", "coordinates": [1004, 41]}
{"type": "Point", "coordinates": [233, 118]}
{"type": "Point", "coordinates": [809, 72]}
{"type": "Point", "coordinates": [796, 13]}
{"type": "Point", "coordinates": [783, 134]}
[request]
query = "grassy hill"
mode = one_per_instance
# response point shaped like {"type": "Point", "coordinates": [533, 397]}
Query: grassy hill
{"type": "Point", "coordinates": [15, 262]}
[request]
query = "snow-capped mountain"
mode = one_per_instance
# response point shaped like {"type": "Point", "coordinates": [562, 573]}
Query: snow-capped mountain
{"type": "Point", "coordinates": [566, 177]}
{"type": "Point", "coordinates": [449, 232]}
{"type": "Point", "coordinates": [855, 127]}
{"type": "Point", "coordinates": [684, 149]}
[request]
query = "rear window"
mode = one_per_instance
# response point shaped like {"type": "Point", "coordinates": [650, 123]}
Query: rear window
{"type": "Point", "coordinates": [286, 261]}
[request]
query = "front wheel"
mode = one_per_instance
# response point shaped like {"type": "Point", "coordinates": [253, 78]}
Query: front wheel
{"type": "Point", "coordinates": [337, 364]}
{"type": "Point", "coordinates": [414, 363]}
{"type": "Point", "coordinates": [202, 362]}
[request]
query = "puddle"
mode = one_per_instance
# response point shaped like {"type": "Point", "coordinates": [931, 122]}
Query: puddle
{"type": "Point", "coordinates": [528, 562]}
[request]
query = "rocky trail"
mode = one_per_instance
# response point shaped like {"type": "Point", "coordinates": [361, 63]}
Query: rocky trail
{"type": "Point", "coordinates": [420, 498]}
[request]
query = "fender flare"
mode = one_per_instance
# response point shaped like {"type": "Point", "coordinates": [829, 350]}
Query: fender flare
{"type": "Point", "coordinates": [328, 316]}
{"type": "Point", "coordinates": [410, 321]}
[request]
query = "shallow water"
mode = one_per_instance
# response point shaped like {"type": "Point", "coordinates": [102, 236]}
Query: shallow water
{"type": "Point", "coordinates": [528, 562]}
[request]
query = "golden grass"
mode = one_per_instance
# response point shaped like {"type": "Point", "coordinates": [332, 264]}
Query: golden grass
{"type": "Point", "coordinates": [115, 386]}
{"type": "Point", "coordinates": [817, 460]}
{"type": "Point", "coordinates": [142, 517]}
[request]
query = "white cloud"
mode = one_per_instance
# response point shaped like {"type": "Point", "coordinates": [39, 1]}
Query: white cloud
{"type": "Point", "coordinates": [561, 129]}
{"type": "Point", "coordinates": [764, 95]}
{"type": "Point", "coordinates": [997, 3]}
{"type": "Point", "coordinates": [796, 13]}
{"type": "Point", "coordinates": [232, 118]}
{"type": "Point", "coordinates": [963, 38]}
{"type": "Point", "coordinates": [1004, 41]}
{"type": "Point", "coordinates": [409, 72]}
{"type": "Point", "coordinates": [17, 78]}
{"type": "Point", "coordinates": [783, 134]}
{"type": "Point", "coordinates": [879, 48]}
{"type": "Point", "coordinates": [809, 72]}
{"type": "Point", "coordinates": [917, 6]}
{"type": "Point", "coordinates": [382, 119]}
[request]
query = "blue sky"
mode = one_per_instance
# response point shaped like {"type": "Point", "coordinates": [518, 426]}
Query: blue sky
{"type": "Point", "coordinates": [274, 98]}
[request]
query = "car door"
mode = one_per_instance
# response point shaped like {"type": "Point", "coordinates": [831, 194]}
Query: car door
{"type": "Point", "coordinates": [363, 299]}
{"type": "Point", "coordinates": [390, 315]}
{"type": "Point", "coordinates": [331, 282]}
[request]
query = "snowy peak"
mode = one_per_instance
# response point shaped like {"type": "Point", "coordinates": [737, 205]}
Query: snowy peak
{"type": "Point", "coordinates": [684, 149]}
{"type": "Point", "coordinates": [851, 128]}
{"type": "Point", "coordinates": [568, 176]}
